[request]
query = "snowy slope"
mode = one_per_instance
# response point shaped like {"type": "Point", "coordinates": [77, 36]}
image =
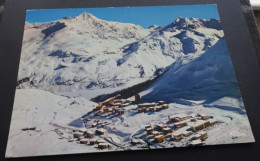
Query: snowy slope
{"type": "Point", "coordinates": [209, 78]}
{"type": "Point", "coordinates": [86, 52]}
{"type": "Point", "coordinates": [47, 112]}
{"type": "Point", "coordinates": [43, 110]}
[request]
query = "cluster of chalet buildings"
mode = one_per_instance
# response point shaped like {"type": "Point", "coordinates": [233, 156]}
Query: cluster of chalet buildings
{"type": "Point", "coordinates": [96, 122]}
{"type": "Point", "coordinates": [115, 105]}
{"type": "Point", "coordinates": [112, 105]}
{"type": "Point", "coordinates": [152, 106]}
{"type": "Point", "coordinates": [89, 136]}
{"type": "Point", "coordinates": [183, 125]}
{"type": "Point", "coordinates": [86, 136]}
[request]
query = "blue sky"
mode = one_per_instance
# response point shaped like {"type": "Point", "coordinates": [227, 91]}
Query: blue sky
{"type": "Point", "coordinates": [143, 16]}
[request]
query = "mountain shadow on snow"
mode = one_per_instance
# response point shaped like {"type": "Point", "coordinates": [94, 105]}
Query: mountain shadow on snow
{"type": "Point", "coordinates": [209, 77]}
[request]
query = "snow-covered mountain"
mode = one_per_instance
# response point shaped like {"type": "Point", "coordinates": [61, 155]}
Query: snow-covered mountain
{"type": "Point", "coordinates": [208, 78]}
{"type": "Point", "coordinates": [86, 52]}
{"type": "Point", "coordinates": [73, 60]}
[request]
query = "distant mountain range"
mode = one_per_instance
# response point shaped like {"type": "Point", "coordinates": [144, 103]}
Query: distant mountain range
{"type": "Point", "coordinates": [86, 52]}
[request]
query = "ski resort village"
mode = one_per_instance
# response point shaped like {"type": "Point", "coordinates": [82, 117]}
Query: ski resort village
{"type": "Point", "coordinates": [98, 126]}
{"type": "Point", "coordinates": [179, 129]}
{"type": "Point", "coordinates": [86, 84]}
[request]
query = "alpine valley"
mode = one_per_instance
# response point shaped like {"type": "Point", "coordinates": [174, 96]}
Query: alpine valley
{"type": "Point", "coordinates": [131, 87]}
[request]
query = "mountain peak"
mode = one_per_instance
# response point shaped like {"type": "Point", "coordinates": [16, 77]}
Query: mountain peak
{"type": "Point", "coordinates": [179, 19]}
{"type": "Point", "coordinates": [192, 23]}
{"type": "Point", "coordinates": [185, 20]}
{"type": "Point", "coordinates": [153, 27]}
{"type": "Point", "coordinates": [87, 16]}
